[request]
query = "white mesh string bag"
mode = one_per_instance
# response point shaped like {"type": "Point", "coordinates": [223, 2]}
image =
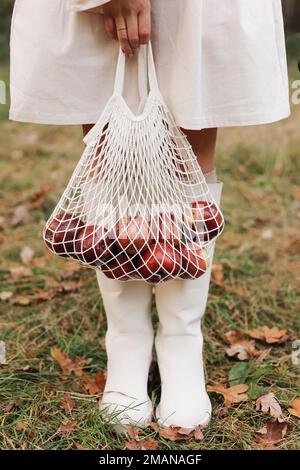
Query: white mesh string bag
{"type": "Point", "coordinates": [137, 205]}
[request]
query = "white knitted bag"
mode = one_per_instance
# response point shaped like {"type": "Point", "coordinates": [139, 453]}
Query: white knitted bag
{"type": "Point", "coordinates": [137, 205]}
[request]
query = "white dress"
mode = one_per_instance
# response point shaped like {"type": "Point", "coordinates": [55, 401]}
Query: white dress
{"type": "Point", "coordinates": [218, 63]}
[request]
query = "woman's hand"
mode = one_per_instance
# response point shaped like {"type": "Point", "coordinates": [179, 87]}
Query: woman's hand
{"type": "Point", "coordinates": [128, 21]}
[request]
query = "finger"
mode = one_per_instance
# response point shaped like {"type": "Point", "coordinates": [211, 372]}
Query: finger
{"type": "Point", "coordinates": [144, 25]}
{"type": "Point", "coordinates": [123, 35]}
{"type": "Point", "coordinates": [133, 31]}
{"type": "Point", "coordinates": [110, 27]}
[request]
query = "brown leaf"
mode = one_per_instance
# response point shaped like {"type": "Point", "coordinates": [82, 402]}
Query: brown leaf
{"type": "Point", "coordinates": [26, 254]}
{"type": "Point", "coordinates": [67, 403]}
{"type": "Point", "coordinates": [273, 432]}
{"type": "Point", "coordinates": [67, 426]}
{"type": "Point", "coordinates": [233, 336]}
{"type": "Point", "coordinates": [67, 364]}
{"type": "Point", "coordinates": [269, 335]}
{"type": "Point", "coordinates": [269, 404]}
{"type": "Point", "coordinates": [243, 350]}
{"type": "Point", "coordinates": [295, 411]}
{"type": "Point", "coordinates": [93, 386]}
{"type": "Point", "coordinates": [20, 216]}
{"type": "Point", "coordinates": [217, 273]}
{"type": "Point", "coordinates": [143, 444]}
{"type": "Point", "coordinates": [100, 379]}
{"type": "Point", "coordinates": [231, 395]}
{"type": "Point", "coordinates": [133, 432]}
{"type": "Point", "coordinates": [198, 434]}
{"type": "Point", "coordinates": [172, 434]}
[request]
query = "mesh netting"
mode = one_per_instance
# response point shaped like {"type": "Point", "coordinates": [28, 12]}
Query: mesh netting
{"type": "Point", "coordinates": [137, 205]}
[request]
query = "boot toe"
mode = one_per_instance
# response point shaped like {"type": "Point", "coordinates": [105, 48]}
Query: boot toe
{"type": "Point", "coordinates": [123, 411]}
{"type": "Point", "coordinates": [184, 416]}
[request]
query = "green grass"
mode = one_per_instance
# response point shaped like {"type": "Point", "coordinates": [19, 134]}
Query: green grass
{"type": "Point", "coordinates": [260, 168]}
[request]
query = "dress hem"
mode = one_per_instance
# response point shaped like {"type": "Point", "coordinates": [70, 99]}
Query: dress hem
{"type": "Point", "coordinates": [186, 123]}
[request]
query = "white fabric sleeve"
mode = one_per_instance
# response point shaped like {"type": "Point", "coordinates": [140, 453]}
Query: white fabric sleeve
{"type": "Point", "coordinates": [84, 5]}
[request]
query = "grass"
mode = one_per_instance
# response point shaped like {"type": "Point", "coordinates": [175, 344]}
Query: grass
{"type": "Point", "coordinates": [260, 167]}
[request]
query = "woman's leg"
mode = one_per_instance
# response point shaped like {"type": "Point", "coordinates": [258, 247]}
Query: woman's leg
{"type": "Point", "coordinates": [204, 146]}
{"type": "Point", "coordinates": [181, 305]}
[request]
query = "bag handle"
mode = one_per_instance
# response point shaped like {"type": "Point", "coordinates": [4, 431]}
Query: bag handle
{"type": "Point", "coordinates": [145, 52]}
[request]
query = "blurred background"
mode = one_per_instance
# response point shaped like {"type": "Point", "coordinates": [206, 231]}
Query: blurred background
{"type": "Point", "coordinates": [47, 302]}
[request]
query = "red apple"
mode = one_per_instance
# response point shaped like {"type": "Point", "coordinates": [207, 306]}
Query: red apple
{"type": "Point", "coordinates": [133, 234]}
{"type": "Point", "coordinates": [213, 221]}
{"type": "Point", "coordinates": [159, 262]}
{"type": "Point", "coordinates": [119, 268]}
{"type": "Point", "coordinates": [92, 246]}
{"type": "Point", "coordinates": [193, 261]}
{"type": "Point", "coordinates": [166, 228]}
{"type": "Point", "coordinates": [60, 233]}
{"type": "Point", "coordinates": [207, 214]}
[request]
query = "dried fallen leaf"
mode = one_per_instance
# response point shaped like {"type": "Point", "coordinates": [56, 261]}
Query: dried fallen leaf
{"type": "Point", "coordinates": [217, 273]}
{"type": "Point", "coordinates": [243, 350]}
{"type": "Point", "coordinates": [269, 404]}
{"type": "Point", "coordinates": [172, 434]}
{"type": "Point", "coordinates": [295, 411]}
{"type": "Point", "coordinates": [20, 216]}
{"type": "Point", "coordinates": [231, 395]}
{"type": "Point", "coordinates": [272, 432]}
{"type": "Point", "coordinates": [26, 254]}
{"type": "Point", "coordinates": [233, 336]}
{"type": "Point", "coordinates": [67, 426]}
{"type": "Point", "coordinates": [5, 295]}
{"type": "Point", "coordinates": [67, 364]}
{"type": "Point", "coordinates": [93, 386]}
{"type": "Point", "coordinates": [269, 335]}
{"type": "Point", "coordinates": [67, 403]}
{"type": "Point", "coordinates": [198, 433]}
{"type": "Point", "coordinates": [143, 444]}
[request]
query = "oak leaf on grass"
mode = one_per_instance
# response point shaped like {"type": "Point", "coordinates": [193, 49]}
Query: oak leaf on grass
{"type": "Point", "coordinates": [269, 335]}
{"type": "Point", "coordinates": [273, 432]}
{"type": "Point", "coordinates": [231, 395]}
{"type": "Point", "coordinates": [295, 411]}
{"type": "Point", "coordinates": [67, 364]}
{"type": "Point", "coordinates": [269, 404]}
{"type": "Point", "coordinates": [67, 403]}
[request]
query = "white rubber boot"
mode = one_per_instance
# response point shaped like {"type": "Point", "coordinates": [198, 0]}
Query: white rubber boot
{"type": "Point", "coordinates": [181, 305]}
{"type": "Point", "coordinates": [129, 343]}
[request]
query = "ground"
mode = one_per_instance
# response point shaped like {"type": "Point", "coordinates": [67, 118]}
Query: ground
{"type": "Point", "coordinates": [52, 304]}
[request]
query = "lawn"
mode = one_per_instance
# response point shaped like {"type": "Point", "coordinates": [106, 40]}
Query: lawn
{"type": "Point", "coordinates": [49, 303]}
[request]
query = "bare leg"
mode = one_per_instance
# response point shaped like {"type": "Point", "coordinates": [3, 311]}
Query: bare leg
{"type": "Point", "coordinates": [86, 128]}
{"type": "Point", "coordinates": [203, 143]}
